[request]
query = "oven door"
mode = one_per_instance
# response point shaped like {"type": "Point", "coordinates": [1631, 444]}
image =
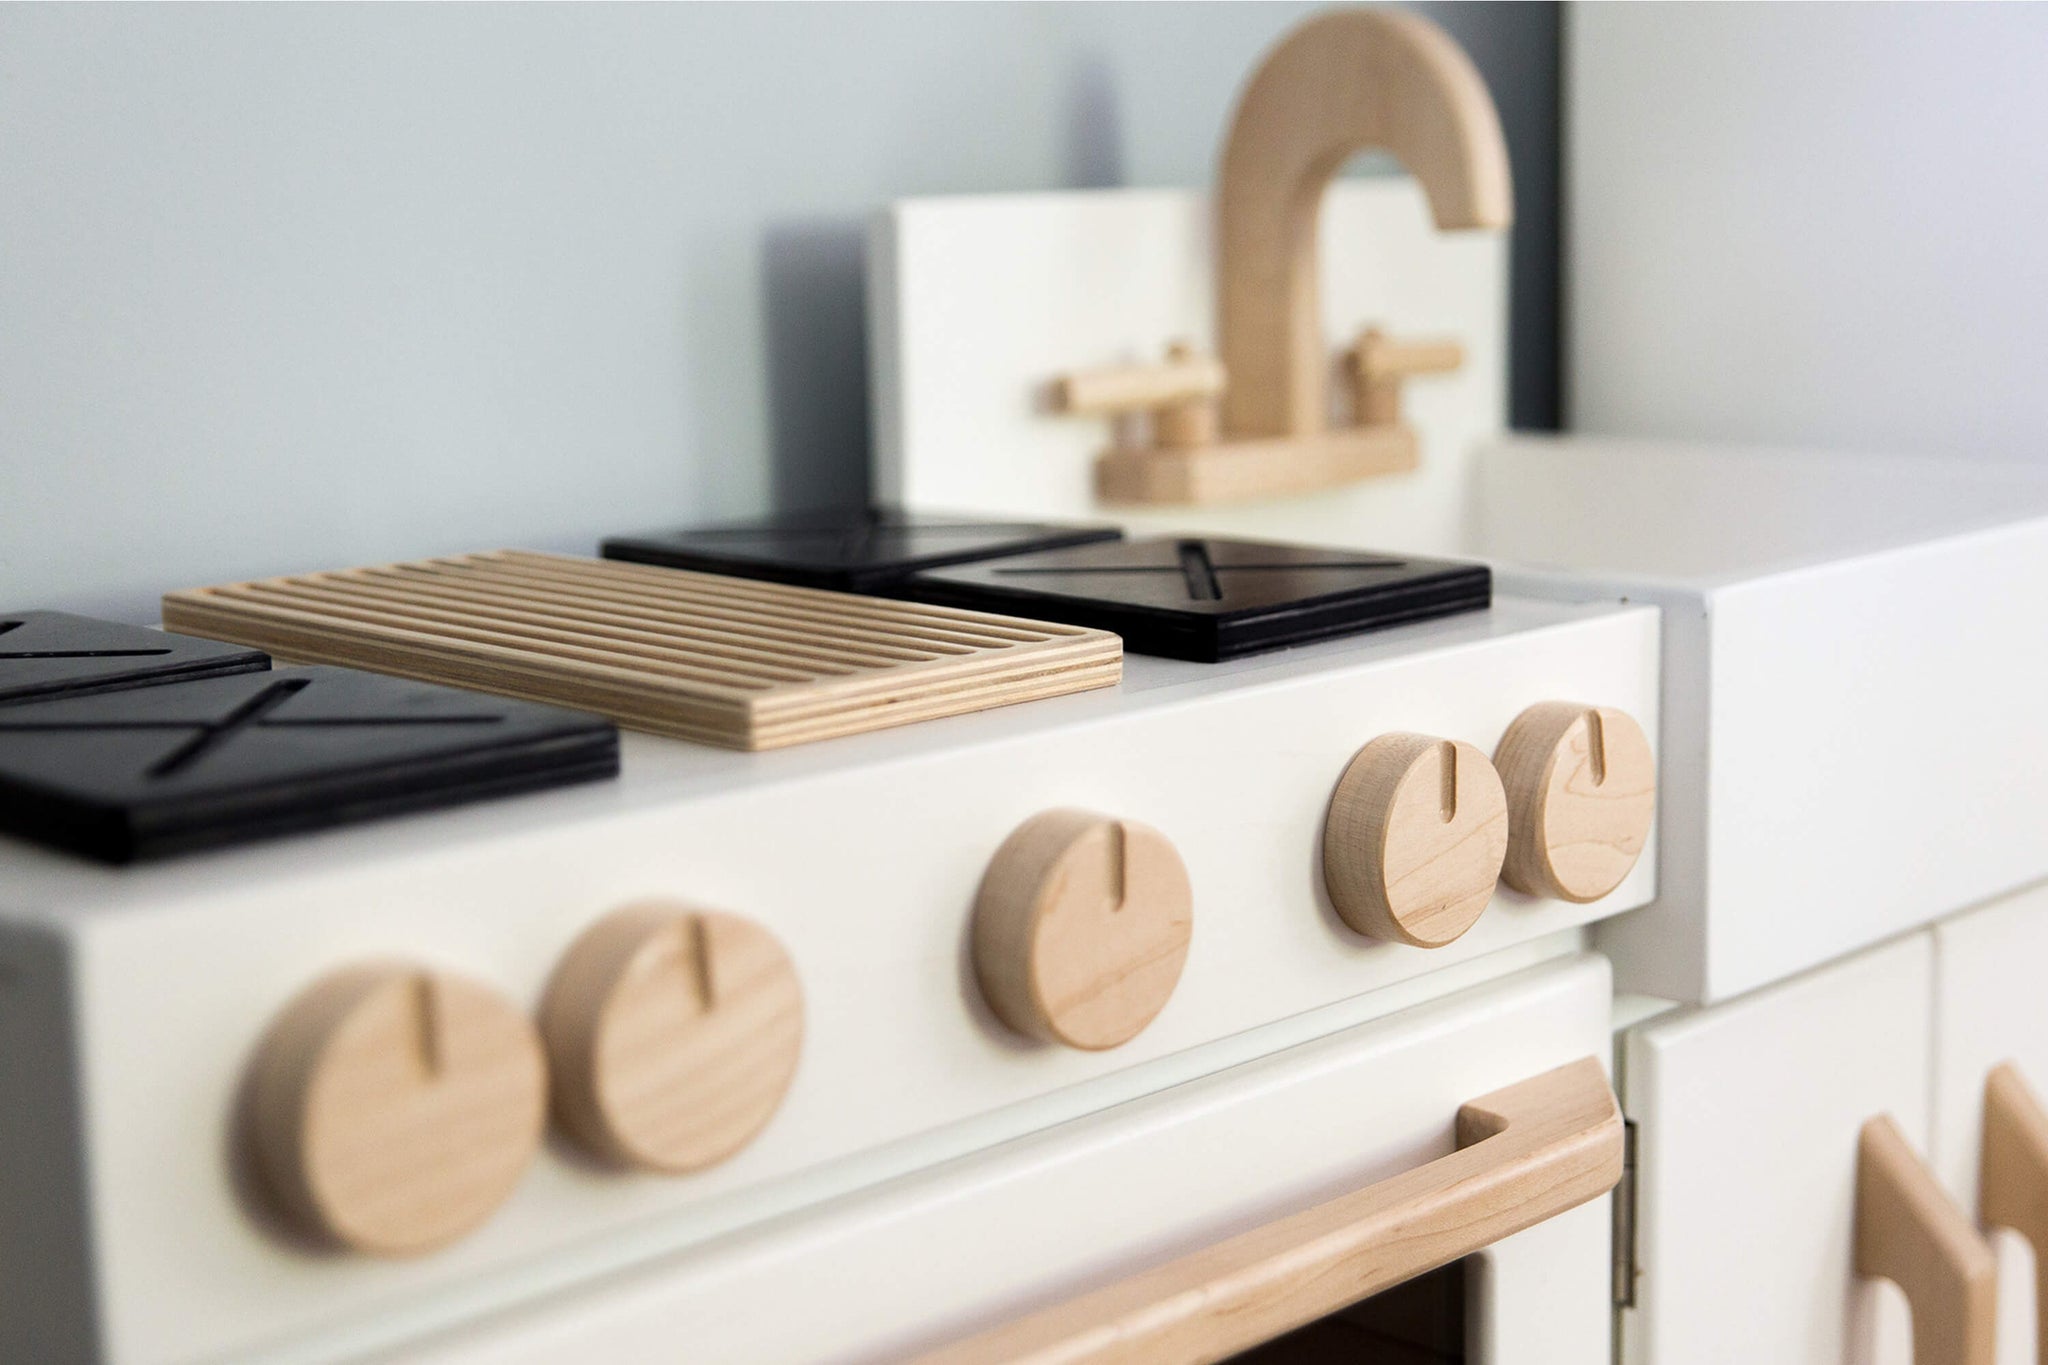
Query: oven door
{"type": "Point", "coordinates": [1457, 1153]}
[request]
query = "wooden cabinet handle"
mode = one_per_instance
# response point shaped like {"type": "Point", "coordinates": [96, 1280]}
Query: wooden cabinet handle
{"type": "Point", "coordinates": [1524, 1154]}
{"type": "Point", "coordinates": [1910, 1232]}
{"type": "Point", "coordinates": [2012, 1185]}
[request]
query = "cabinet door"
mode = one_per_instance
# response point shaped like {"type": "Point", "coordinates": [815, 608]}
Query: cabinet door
{"type": "Point", "coordinates": [1991, 1008]}
{"type": "Point", "coordinates": [1747, 1121]}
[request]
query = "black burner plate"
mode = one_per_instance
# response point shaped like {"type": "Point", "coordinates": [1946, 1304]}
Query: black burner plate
{"type": "Point", "coordinates": [46, 654]}
{"type": "Point", "coordinates": [160, 770]}
{"type": "Point", "coordinates": [849, 551]}
{"type": "Point", "coordinates": [1208, 599]}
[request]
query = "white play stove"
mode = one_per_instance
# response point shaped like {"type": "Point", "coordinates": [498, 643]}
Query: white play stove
{"type": "Point", "coordinates": [133, 997]}
{"type": "Point", "coordinates": [1839, 664]}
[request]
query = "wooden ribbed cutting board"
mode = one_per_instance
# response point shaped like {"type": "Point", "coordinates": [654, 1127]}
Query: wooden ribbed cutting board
{"type": "Point", "coordinates": [728, 661]}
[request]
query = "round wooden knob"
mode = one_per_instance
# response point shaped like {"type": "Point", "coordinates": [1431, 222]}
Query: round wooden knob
{"type": "Point", "coordinates": [1582, 793]}
{"type": "Point", "coordinates": [1081, 927]}
{"type": "Point", "coordinates": [1414, 838]}
{"type": "Point", "coordinates": [673, 1034]}
{"type": "Point", "coordinates": [394, 1108]}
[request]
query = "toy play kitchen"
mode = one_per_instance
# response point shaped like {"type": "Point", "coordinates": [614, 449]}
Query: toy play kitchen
{"type": "Point", "coordinates": [1236, 856]}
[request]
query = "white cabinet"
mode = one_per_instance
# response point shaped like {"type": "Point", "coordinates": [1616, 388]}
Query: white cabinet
{"type": "Point", "coordinates": [1991, 1008]}
{"type": "Point", "coordinates": [1853, 738]}
{"type": "Point", "coordinates": [1747, 1118]}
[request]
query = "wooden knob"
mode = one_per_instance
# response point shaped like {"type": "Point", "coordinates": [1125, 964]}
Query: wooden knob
{"type": "Point", "coordinates": [1414, 838]}
{"type": "Point", "coordinates": [1582, 792]}
{"type": "Point", "coordinates": [1081, 927]}
{"type": "Point", "coordinates": [673, 1033]}
{"type": "Point", "coordinates": [393, 1108]}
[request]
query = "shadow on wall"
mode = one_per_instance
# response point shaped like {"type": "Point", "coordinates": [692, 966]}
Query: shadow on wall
{"type": "Point", "coordinates": [1094, 127]}
{"type": "Point", "coordinates": [814, 327]}
{"type": "Point", "coordinates": [814, 319]}
{"type": "Point", "coordinates": [51, 1268]}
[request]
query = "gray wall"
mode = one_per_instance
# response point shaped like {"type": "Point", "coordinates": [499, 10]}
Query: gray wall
{"type": "Point", "coordinates": [1816, 225]}
{"type": "Point", "coordinates": [287, 287]}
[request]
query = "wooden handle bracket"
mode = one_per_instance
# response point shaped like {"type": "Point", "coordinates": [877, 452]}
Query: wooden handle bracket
{"type": "Point", "coordinates": [1910, 1232]}
{"type": "Point", "coordinates": [2012, 1188]}
{"type": "Point", "coordinates": [1525, 1153]}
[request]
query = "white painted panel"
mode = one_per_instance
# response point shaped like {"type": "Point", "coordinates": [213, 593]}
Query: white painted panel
{"type": "Point", "coordinates": [1809, 223]}
{"type": "Point", "coordinates": [1747, 1118]}
{"type": "Point", "coordinates": [1880, 748]}
{"type": "Point", "coordinates": [965, 1246]}
{"type": "Point", "coordinates": [1689, 514]}
{"type": "Point", "coordinates": [1854, 742]}
{"type": "Point", "coordinates": [863, 856]}
{"type": "Point", "coordinates": [976, 303]}
{"type": "Point", "coordinates": [1991, 1008]}
{"type": "Point", "coordinates": [1541, 1297]}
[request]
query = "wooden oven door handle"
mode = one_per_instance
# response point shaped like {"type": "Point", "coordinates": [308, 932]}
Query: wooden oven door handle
{"type": "Point", "coordinates": [1910, 1232]}
{"type": "Point", "coordinates": [2012, 1187]}
{"type": "Point", "coordinates": [1525, 1153]}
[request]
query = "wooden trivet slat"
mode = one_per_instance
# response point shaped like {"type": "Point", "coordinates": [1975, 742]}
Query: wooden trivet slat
{"type": "Point", "coordinates": [729, 661]}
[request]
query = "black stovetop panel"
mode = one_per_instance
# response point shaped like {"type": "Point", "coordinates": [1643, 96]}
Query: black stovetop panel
{"type": "Point", "coordinates": [849, 551]}
{"type": "Point", "coordinates": [1208, 599]}
{"type": "Point", "coordinates": [48, 654]}
{"type": "Point", "coordinates": [159, 770]}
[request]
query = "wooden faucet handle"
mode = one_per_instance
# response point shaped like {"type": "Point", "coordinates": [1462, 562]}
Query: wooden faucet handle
{"type": "Point", "coordinates": [1115, 390]}
{"type": "Point", "coordinates": [1380, 365]}
{"type": "Point", "coordinates": [1379, 357]}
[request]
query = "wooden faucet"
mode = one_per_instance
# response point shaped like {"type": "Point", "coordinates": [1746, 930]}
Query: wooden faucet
{"type": "Point", "coordinates": [1344, 82]}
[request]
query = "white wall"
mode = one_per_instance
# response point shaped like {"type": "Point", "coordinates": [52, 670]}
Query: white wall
{"type": "Point", "coordinates": [285, 287]}
{"type": "Point", "coordinates": [1823, 224]}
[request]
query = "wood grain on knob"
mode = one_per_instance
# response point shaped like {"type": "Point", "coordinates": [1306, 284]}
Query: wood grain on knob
{"type": "Point", "coordinates": [1414, 837]}
{"type": "Point", "coordinates": [1582, 794]}
{"type": "Point", "coordinates": [1081, 927]}
{"type": "Point", "coordinates": [393, 1108]}
{"type": "Point", "coordinates": [673, 1033]}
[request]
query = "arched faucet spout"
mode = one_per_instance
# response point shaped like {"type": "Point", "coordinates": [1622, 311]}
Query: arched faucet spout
{"type": "Point", "coordinates": [1342, 83]}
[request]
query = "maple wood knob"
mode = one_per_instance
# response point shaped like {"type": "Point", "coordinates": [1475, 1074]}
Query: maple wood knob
{"type": "Point", "coordinates": [674, 1034]}
{"type": "Point", "coordinates": [1081, 927]}
{"type": "Point", "coordinates": [1414, 838]}
{"type": "Point", "coordinates": [393, 1108]}
{"type": "Point", "coordinates": [1582, 794]}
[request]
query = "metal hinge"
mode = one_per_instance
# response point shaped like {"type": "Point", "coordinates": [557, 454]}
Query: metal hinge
{"type": "Point", "coordinates": [1624, 1269]}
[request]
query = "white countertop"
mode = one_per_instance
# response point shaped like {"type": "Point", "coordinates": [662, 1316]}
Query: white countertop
{"type": "Point", "coordinates": [42, 885]}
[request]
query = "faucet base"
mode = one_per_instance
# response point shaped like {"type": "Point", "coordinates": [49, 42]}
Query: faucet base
{"type": "Point", "coordinates": [1242, 471]}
